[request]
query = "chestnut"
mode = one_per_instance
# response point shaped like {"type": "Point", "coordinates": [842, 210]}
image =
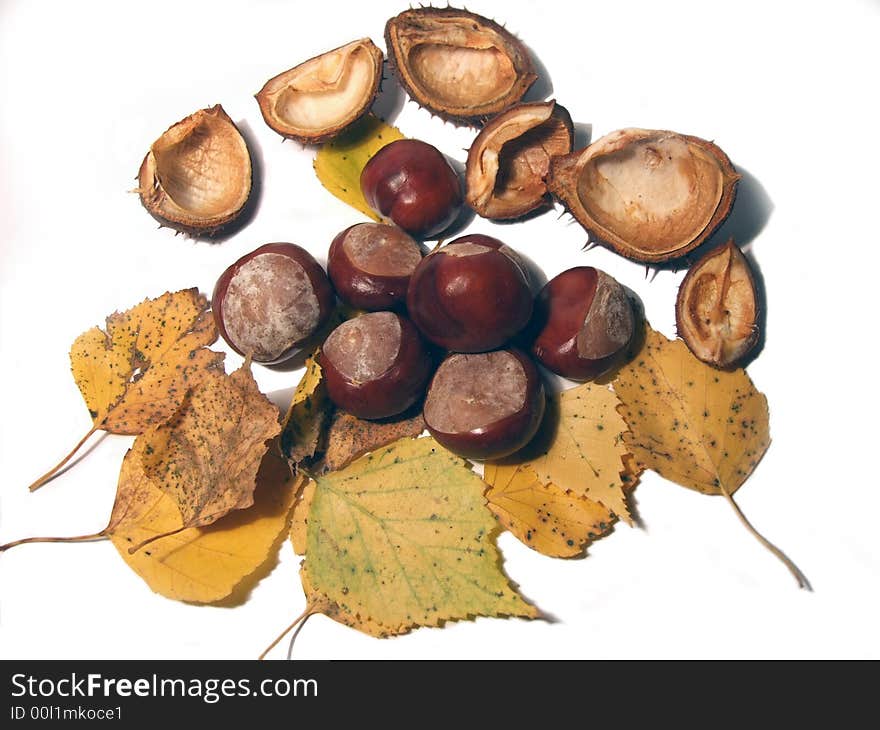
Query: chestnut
{"type": "Point", "coordinates": [410, 183]}
{"type": "Point", "coordinates": [485, 405]}
{"type": "Point", "coordinates": [471, 295]}
{"type": "Point", "coordinates": [272, 300]}
{"type": "Point", "coordinates": [583, 322]}
{"type": "Point", "coordinates": [370, 265]}
{"type": "Point", "coordinates": [375, 365]}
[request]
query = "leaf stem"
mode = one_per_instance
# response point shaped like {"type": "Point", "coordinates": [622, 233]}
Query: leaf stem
{"type": "Point", "coordinates": [135, 548]}
{"type": "Point", "coordinates": [54, 470]}
{"type": "Point", "coordinates": [295, 634]}
{"type": "Point", "coordinates": [78, 538]}
{"type": "Point", "coordinates": [309, 610]}
{"type": "Point", "coordinates": [786, 561]}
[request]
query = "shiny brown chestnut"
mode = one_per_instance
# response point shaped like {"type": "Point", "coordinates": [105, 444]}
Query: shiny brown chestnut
{"type": "Point", "coordinates": [370, 265]}
{"type": "Point", "coordinates": [410, 183]}
{"type": "Point", "coordinates": [375, 365]}
{"type": "Point", "coordinates": [471, 295]}
{"type": "Point", "coordinates": [584, 321]}
{"type": "Point", "coordinates": [485, 405]}
{"type": "Point", "coordinates": [272, 300]}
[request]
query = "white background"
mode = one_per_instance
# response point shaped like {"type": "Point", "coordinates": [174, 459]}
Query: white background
{"type": "Point", "coordinates": [788, 90]}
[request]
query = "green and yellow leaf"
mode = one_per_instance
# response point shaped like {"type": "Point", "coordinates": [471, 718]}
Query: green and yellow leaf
{"type": "Point", "coordinates": [299, 523]}
{"type": "Point", "coordinates": [402, 538]}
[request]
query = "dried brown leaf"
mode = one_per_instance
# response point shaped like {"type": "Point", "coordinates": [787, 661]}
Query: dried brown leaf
{"type": "Point", "coordinates": [303, 425]}
{"type": "Point", "coordinates": [349, 437]}
{"type": "Point", "coordinates": [206, 459]}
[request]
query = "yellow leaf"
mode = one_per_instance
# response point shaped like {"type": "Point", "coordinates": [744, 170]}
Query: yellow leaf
{"type": "Point", "coordinates": [137, 373]}
{"type": "Point", "coordinates": [338, 164]}
{"type": "Point", "coordinates": [542, 516]}
{"type": "Point", "coordinates": [206, 459]}
{"type": "Point", "coordinates": [402, 538]}
{"type": "Point", "coordinates": [102, 372]}
{"type": "Point", "coordinates": [703, 428]}
{"type": "Point", "coordinates": [299, 523]}
{"type": "Point", "coordinates": [200, 565]}
{"type": "Point", "coordinates": [700, 427]}
{"type": "Point", "coordinates": [580, 447]}
{"type": "Point", "coordinates": [307, 415]}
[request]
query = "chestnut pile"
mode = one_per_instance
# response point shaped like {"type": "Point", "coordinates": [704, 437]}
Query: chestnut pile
{"type": "Point", "coordinates": [468, 304]}
{"type": "Point", "coordinates": [460, 330]}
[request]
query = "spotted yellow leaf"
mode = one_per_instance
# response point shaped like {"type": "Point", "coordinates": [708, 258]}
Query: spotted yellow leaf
{"type": "Point", "coordinates": [136, 373]}
{"type": "Point", "coordinates": [703, 428]}
{"type": "Point", "coordinates": [580, 448]}
{"type": "Point", "coordinates": [547, 519]}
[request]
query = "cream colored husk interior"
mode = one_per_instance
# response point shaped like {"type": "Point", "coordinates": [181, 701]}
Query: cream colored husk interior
{"type": "Point", "coordinates": [325, 92]}
{"type": "Point", "coordinates": [653, 190]}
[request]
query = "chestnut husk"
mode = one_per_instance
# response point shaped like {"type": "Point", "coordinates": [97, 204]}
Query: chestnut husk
{"type": "Point", "coordinates": [311, 77]}
{"type": "Point", "coordinates": [640, 231]}
{"type": "Point", "coordinates": [717, 308]}
{"type": "Point", "coordinates": [416, 40]}
{"type": "Point", "coordinates": [206, 147]}
{"type": "Point", "coordinates": [509, 160]}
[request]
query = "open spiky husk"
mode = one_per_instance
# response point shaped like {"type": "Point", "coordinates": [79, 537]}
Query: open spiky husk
{"type": "Point", "coordinates": [509, 160]}
{"type": "Point", "coordinates": [321, 97]}
{"type": "Point", "coordinates": [651, 195]}
{"type": "Point", "coordinates": [196, 178]}
{"type": "Point", "coordinates": [444, 56]}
